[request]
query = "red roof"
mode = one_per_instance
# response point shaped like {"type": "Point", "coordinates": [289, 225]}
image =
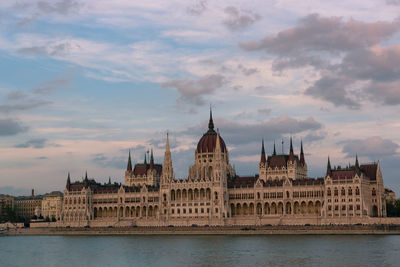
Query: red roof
{"type": "Point", "coordinates": [208, 141]}
{"type": "Point", "coordinates": [280, 160]}
{"type": "Point", "coordinates": [242, 182]}
{"type": "Point", "coordinates": [141, 169]}
{"type": "Point", "coordinates": [370, 170]}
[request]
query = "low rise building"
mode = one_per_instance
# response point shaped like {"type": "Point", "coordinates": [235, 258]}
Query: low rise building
{"type": "Point", "coordinates": [26, 206]}
{"type": "Point", "coordinates": [52, 205]}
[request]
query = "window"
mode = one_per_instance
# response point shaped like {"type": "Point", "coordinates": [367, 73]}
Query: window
{"type": "Point", "coordinates": [350, 191]}
{"type": "Point", "coordinates": [172, 211]}
{"type": "Point", "coordinates": [329, 207]}
{"type": "Point", "coordinates": [351, 207]}
{"type": "Point", "coordinates": [373, 192]}
{"type": "Point", "coordinates": [216, 210]}
{"type": "Point", "coordinates": [358, 207]}
{"type": "Point", "coordinates": [343, 193]}
{"type": "Point", "coordinates": [216, 195]}
{"type": "Point", "coordinates": [190, 211]}
{"type": "Point", "coordinates": [357, 191]}
{"type": "Point", "coordinates": [329, 192]}
{"type": "Point", "coordinates": [336, 207]}
{"type": "Point", "coordinates": [196, 210]}
{"type": "Point", "coordinates": [202, 210]}
{"type": "Point", "coordinates": [336, 192]}
{"type": "Point", "coordinates": [343, 207]}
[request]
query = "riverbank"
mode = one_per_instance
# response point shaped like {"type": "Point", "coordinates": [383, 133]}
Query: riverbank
{"type": "Point", "coordinates": [262, 230]}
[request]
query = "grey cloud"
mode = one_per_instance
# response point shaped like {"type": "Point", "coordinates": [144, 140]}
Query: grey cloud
{"type": "Point", "coordinates": [36, 143]}
{"type": "Point", "coordinates": [16, 95]}
{"type": "Point", "coordinates": [198, 8]}
{"type": "Point", "coordinates": [239, 19]}
{"type": "Point", "coordinates": [11, 127]}
{"type": "Point", "coordinates": [365, 70]}
{"type": "Point", "coordinates": [243, 133]}
{"type": "Point", "coordinates": [31, 104]}
{"type": "Point", "coordinates": [52, 49]}
{"type": "Point", "coordinates": [116, 162]}
{"type": "Point", "coordinates": [192, 91]}
{"type": "Point", "coordinates": [314, 33]}
{"type": "Point", "coordinates": [42, 158]}
{"type": "Point", "coordinates": [393, 2]}
{"type": "Point", "coordinates": [332, 88]}
{"type": "Point", "coordinates": [370, 147]}
{"type": "Point", "coordinates": [52, 85]}
{"type": "Point", "coordinates": [63, 7]}
{"type": "Point", "coordinates": [264, 111]}
{"type": "Point", "coordinates": [247, 71]}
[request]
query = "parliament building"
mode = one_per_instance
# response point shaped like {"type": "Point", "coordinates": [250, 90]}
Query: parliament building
{"type": "Point", "coordinates": [214, 195]}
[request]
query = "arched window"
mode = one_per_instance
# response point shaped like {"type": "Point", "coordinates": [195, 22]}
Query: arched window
{"type": "Point", "coordinates": [373, 192]}
{"type": "Point", "coordinates": [350, 191]}
{"type": "Point", "coordinates": [357, 191]}
{"type": "Point", "coordinates": [329, 192]}
{"type": "Point", "coordinates": [336, 192]}
{"type": "Point", "coordinates": [287, 194]}
{"type": "Point", "coordinates": [216, 195]}
{"type": "Point", "coordinates": [343, 193]}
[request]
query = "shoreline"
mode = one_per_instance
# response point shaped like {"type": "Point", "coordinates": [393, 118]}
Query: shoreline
{"type": "Point", "coordinates": [263, 230]}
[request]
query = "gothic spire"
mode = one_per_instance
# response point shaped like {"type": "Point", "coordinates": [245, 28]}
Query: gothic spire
{"type": "Point", "coordinates": [210, 122]}
{"type": "Point", "coordinates": [145, 159]}
{"type": "Point", "coordinates": [151, 159]}
{"type": "Point", "coordinates": [291, 154]}
{"type": "Point", "coordinates": [274, 153]}
{"type": "Point", "coordinates": [302, 160]}
{"type": "Point", "coordinates": [167, 170]}
{"type": "Point", "coordinates": [129, 166]}
{"type": "Point", "coordinates": [109, 180]}
{"type": "Point", "coordinates": [68, 182]}
{"type": "Point", "coordinates": [357, 165]}
{"type": "Point", "coordinates": [328, 167]}
{"type": "Point", "coordinates": [263, 159]}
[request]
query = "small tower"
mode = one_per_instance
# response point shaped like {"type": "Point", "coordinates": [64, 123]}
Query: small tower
{"type": "Point", "coordinates": [68, 186]}
{"type": "Point", "coordinates": [274, 153]}
{"type": "Point", "coordinates": [291, 153]}
{"type": "Point", "coordinates": [129, 165]}
{"type": "Point", "coordinates": [151, 160]}
{"type": "Point", "coordinates": [167, 171]}
{"type": "Point", "coordinates": [328, 168]}
{"type": "Point", "coordinates": [302, 159]}
{"type": "Point", "coordinates": [263, 162]}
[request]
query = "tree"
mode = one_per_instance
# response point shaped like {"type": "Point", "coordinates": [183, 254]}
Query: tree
{"type": "Point", "coordinates": [393, 210]}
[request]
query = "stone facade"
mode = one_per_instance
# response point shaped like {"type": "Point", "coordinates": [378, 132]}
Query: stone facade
{"type": "Point", "coordinates": [5, 201]}
{"type": "Point", "coordinates": [27, 207]}
{"type": "Point", "coordinates": [213, 194]}
{"type": "Point", "coordinates": [52, 205]}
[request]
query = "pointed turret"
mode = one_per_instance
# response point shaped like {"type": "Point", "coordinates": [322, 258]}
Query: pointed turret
{"type": "Point", "coordinates": [302, 160]}
{"type": "Point", "coordinates": [211, 122]}
{"type": "Point", "coordinates": [129, 166]}
{"type": "Point", "coordinates": [263, 159]}
{"type": "Point", "coordinates": [151, 159]}
{"type": "Point", "coordinates": [109, 180]}
{"type": "Point", "coordinates": [328, 167]}
{"type": "Point", "coordinates": [68, 186]}
{"type": "Point", "coordinates": [291, 154]}
{"type": "Point", "coordinates": [167, 170]}
{"type": "Point", "coordinates": [274, 153]}
{"type": "Point", "coordinates": [357, 165]}
{"type": "Point", "coordinates": [145, 159]}
{"type": "Point", "coordinates": [86, 181]}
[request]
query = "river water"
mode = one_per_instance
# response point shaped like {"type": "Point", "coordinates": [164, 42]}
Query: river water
{"type": "Point", "coordinates": [200, 250]}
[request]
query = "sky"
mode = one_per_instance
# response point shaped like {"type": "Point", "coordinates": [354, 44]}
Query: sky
{"type": "Point", "coordinates": [82, 82]}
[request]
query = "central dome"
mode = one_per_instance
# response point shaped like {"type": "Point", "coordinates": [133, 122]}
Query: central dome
{"type": "Point", "coordinates": [208, 141]}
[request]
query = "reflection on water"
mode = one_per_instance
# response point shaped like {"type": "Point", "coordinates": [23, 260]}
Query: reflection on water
{"type": "Point", "coordinates": [192, 250]}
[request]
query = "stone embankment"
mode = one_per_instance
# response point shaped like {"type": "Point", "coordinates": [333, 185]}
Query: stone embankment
{"type": "Point", "coordinates": [250, 230]}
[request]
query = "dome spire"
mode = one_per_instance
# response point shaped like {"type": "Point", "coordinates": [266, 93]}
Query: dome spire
{"type": "Point", "coordinates": [210, 122]}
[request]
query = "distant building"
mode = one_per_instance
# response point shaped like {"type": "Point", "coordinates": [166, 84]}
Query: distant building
{"type": "Point", "coordinates": [26, 206]}
{"type": "Point", "coordinates": [5, 201]}
{"type": "Point", "coordinates": [213, 194]}
{"type": "Point", "coordinates": [52, 205]}
{"type": "Point", "coordinates": [390, 195]}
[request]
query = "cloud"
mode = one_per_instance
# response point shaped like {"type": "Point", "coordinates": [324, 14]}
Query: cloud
{"type": "Point", "coordinates": [264, 111]}
{"type": "Point", "coordinates": [192, 91]}
{"type": "Point", "coordinates": [116, 162]}
{"type": "Point", "coordinates": [198, 8]}
{"type": "Point", "coordinates": [242, 133]}
{"type": "Point", "coordinates": [51, 49]}
{"type": "Point", "coordinates": [36, 143]}
{"type": "Point", "coordinates": [393, 2]}
{"type": "Point", "coordinates": [27, 105]}
{"type": "Point", "coordinates": [246, 71]}
{"type": "Point", "coordinates": [239, 19]}
{"type": "Point", "coordinates": [16, 95]}
{"type": "Point", "coordinates": [52, 85]}
{"type": "Point", "coordinates": [333, 35]}
{"type": "Point", "coordinates": [370, 147]}
{"type": "Point", "coordinates": [42, 158]}
{"type": "Point", "coordinates": [63, 7]}
{"type": "Point", "coordinates": [348, 57]}
{"type": "Point", "coordinates": [11, 127]}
